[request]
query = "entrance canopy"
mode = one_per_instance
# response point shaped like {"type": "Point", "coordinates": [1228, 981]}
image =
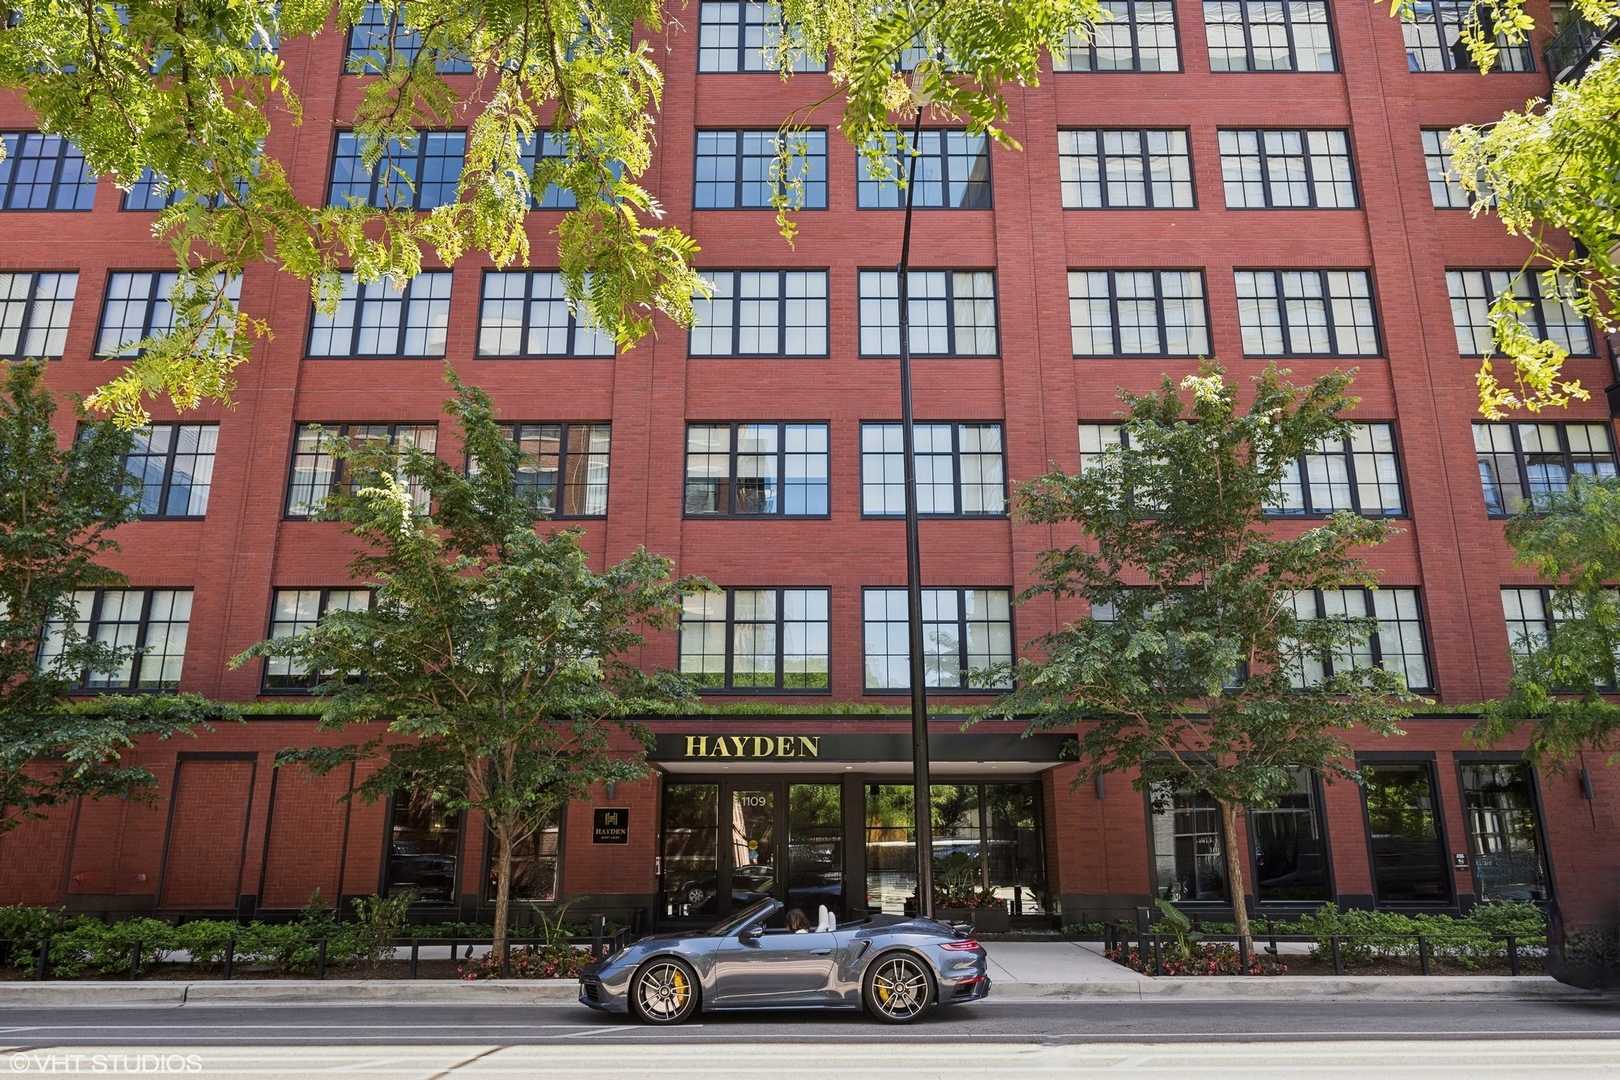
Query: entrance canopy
{"type": "Point", "coordinates": [757, 748]}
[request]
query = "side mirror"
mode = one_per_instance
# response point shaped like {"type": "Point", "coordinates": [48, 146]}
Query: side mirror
{"type": "Point", "coordinates": [753, 933]}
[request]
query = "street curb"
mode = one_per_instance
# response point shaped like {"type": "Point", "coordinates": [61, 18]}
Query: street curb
{"type": "Point", "coordinates": [553, 991]}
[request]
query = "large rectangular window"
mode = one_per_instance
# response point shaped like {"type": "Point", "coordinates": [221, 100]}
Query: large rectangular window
{"type": "Point", "coordinates": [565, 467]}
{"type": "Point", "coordinates": [44, 172]}
{"type": "Point", "coordinates": [1408, 855]}
{"type": "Point", "coordinates": [316, 473]}
{"type": "Point", "coordinates": [527, 313]}
{"type": "Point", "coordinates": [1268, 35]}
{"type": "Point", "coordinates": [1138, 35]}
{"type": "Point", "coordinates": [1138, 313]}
{"type": "Point", "coordinates": [1290, 845]}
{"type": "Point", "coordinates": [1281, 169]}
{"type": "Point", "coordinates": [35, 309]}
{"type": "Point", "coordinates": [742, 35]}
{"type": "Point", "coordinates": [746, 470]}
{"type": "Point", "coordinates": [379, 39]}
{"type": "Point", "coordinates": [761, 313]}
{"type": "Point", "coordinates": [171, 466]}
{"type": "Point", "coordinates": [534, 863]}
{"type": "Point", "coordinates": [380, 319]}
{"type": "Point", "coordinates": [292, 612]}
{"type": "Point", "coordinates": [756, 639]}
{"type": "Point", "coordinates": [1551, 315]}
{"type": "Point", "coordinates": [1398, 644]}
{"type": "Point", "coordinates": [424, 846]}
{"type": "Point", "coordinates": [964, 630]}
{"type": "Point", "coordinates": [139, 306]}
{"type": "Point", "coordinates": [1306, 313]}
{"type": "Point", "coordinates": [1189, 861]}
{"type": "Point", "coordinates": [742, 170]}
{"type": "Point", "coordinates": [689, 846]}
{"type": "Point", "coordinates": [960, 470]}
{"type": "Point", "coordinates": [952, 173]}
{"type": "Point", "coordinates": [1358, 473]}
{"type": "Point", "coordinates": [1504, 832]}
{"type": "Point", "coordinates": [952, 312]}
{"type": "Point", "coordinates": [1433, 31]}
{"type": "Point", "coordinates": [1521, 465]}
{"type": "Point", "coordinates": [1445, 189]}
{"type": "Point", "coordinates": [1113, 169]}
{"type": "Point", "coordinates": [148, 626]}
{"type": "Point", "coordinates": [413, 174]}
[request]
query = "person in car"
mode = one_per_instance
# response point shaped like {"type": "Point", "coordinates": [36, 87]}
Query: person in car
{"type": "Point", "coordinates": [797, 921]}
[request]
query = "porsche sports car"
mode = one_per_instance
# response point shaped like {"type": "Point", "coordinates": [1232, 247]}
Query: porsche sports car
{"type": "Point", "coordinates": [896, 968]}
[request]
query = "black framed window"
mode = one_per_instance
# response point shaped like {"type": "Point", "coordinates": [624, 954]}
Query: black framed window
{"type": "Point", "coordinates": [952, 173]}
{"type": "Point", "coordinates": [424, 848]}
{"type": "Point", "coordinates": [565, 467]}
{"type": "Point", "coordinates": [415, 174]}
{"type": "Point", "coordinates": [378, 319]}
{"type": "Point", "coordinates": [148, 625]}
{"type": "Point", "coordinates": [1409, 860]}
{"type": "Point", "coordinates": [756, 639]}
{"type": "Point", "coordinates": [1306, 313]}
{"type": "Point", "coordinates": [1138, 313]}
{"type": "Point", "coordinates": [1266, 35]}
{"type": "Point", "coordinates": [171, 466]}
{"type": "Point", "coordinates": [140, 305]}
{"type": "Point", "coordinates": [747, 470]}
{"type": "Point", "coordinates": [761, 313]}
{"type": "Point", "coordinates": [535, 861]}
{"type": "Point", "coordinates": [1278, 169]}
{"type": "Point", "coordinates": [1433, 30]}
{"type": "Point", "coordinates": [1359, 473]}
{"type": "Point", "coordinates": [380, 39]}
{"type": "Point", "coordinates": [740, 35]}
{"type": "Point", "coordinates": [1520, 465]}
{"type": "Point", "coordinates": [1289, 840]}
{"type": "Point", "coordinates": [292, 612]}
{"type": "Point", "coordinates": [1551, 315]}
{"type": "Point", "coordinates": [1445, 190]}
{"type": "Point", "coordinates": [151, 191]}
{"type": "Point", "coordinates": [952, 312]}
{"type": "Point", "coordinates": [316, 473]}
{"type": "Point", "coordinates": [1125, 169]}
{"type": "Point", "coordinates": [35, 309]}
{"type": "Point", "coordinates": [44, 172]}
{"type": "Point", "coordinates": [1139, 36]}
{"type": "Point", "coordinates": [964, 630]}
{"type": "Point", "coordinates": [527, 313]}
{"type": "Point", "coordinates": [1503, 819]}
{"type": "Point", "coordinates": [1399, 644]}
{"type": "Point", "coordinates": [961, 470]}
{"type": "Point", "coordinates": [1189, 855]}
{"type": "Point", "coordinates": [742, 170]}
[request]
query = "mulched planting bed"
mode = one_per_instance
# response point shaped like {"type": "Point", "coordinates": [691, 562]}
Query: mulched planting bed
{"type": "Point", "coordinates": [1403, 965]}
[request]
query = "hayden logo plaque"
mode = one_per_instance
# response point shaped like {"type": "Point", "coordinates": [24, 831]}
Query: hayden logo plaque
{"type": "Point", "coordinates": [610, 825]}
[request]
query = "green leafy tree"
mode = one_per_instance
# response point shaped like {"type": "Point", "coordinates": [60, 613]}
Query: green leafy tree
{"type": "Point", "coordinates": [498, 662]}
{"type": "Point", "coordinates": [58, 510]}
{"type": "Point", "coordinates": [1194, 668]}
{"type": "Point", "coordinates": [187, 89]}
{"type": "Point", "coordinates": [1560, 679]}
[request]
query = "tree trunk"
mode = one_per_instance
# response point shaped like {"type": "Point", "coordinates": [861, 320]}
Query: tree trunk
{"type": "Point", "coordinates": [503, 885]}
{"type": "Point", "coordinates": [1234, 876]}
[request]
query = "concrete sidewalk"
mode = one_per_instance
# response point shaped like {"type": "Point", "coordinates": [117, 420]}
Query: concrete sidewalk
{"type": "Point", "coordinates": [1019, 971]}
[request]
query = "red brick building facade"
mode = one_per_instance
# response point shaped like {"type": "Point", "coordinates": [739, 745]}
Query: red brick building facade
{"type": "Point", "coordinates": [1336, 180]}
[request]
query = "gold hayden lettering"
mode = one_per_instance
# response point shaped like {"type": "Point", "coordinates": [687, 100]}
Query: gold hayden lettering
{"type": "Point", "coordinates": [753, 746]}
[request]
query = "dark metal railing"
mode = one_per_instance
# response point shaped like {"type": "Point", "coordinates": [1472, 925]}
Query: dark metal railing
{"type": "Point", "coordinates": [1568, 53]}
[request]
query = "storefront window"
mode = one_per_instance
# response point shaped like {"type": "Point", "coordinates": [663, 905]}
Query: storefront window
{"type": "Point", "coordinates": [1015, 863]}
{"type": "Point", "coordinates": [891, 848]}
{"type": "Point", "coordinates": [1290, 851]}
{"type": "Point", "coordinates": [1409, 866]}
{"type": "Point", "coordinates": [691, 845]}
{"type": "Point", "coordinates": [424, 841]}
{"type": "Point", "coordinates": [1499, 803]}
{"type": "Point", "coordinates": [1188, 857]}
{"type": "Point", "coordinates": [534, 864]}
{"type": "Point", "coordinates": [816, 848]}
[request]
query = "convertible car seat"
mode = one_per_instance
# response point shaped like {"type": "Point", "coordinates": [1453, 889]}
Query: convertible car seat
{"type": "Point", "coordinates": [825, 923]}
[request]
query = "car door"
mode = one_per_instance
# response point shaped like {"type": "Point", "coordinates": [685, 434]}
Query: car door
{"type": "Point", "coordinates": [775, 967]}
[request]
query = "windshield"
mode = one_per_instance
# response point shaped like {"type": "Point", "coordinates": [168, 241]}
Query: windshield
{"type": "Point", "coordinates": [739, 920]}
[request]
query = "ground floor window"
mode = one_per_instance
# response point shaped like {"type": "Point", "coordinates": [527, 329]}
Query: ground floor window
{"type": "Point", "coordinates": [424, 843]}
{"type": "Point", "coordinates": [1189, 860]}
{"type": "Point", "coordinates": [1408, 855]}
{"type": "Point", "coordinates": [1290, 845]}
{"type": "Point", "coordinates": [1504, 834]}
{"type": "Point", "coordinates": [534, 863]}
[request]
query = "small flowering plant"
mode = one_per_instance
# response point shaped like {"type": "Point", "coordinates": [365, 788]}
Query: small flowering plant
{"type": "Point", "coordinates": [531, 962]}
{"type": "Point", "coordinates": [1198, 960]}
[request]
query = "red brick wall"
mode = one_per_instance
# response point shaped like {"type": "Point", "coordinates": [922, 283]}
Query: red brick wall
{"type": "Point", "coordinates": [207, 834]}
{"type": "Point", "coordinates": [308, 829]}
{"type": "Point", "coordinates": [33, 859]}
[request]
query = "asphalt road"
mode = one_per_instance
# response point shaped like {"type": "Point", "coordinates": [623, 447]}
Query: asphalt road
{"type": "Point", "coordinates": [1253, 1040]}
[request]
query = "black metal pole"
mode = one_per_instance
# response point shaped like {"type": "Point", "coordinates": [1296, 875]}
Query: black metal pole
{"type": "Point", "coordinates": [922, 804]}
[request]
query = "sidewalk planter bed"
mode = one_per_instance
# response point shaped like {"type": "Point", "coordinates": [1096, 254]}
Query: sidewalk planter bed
{"type": "Point", "coordinates": [989, 919]}
{"type": "Point", "coordinates": [1199, 960]}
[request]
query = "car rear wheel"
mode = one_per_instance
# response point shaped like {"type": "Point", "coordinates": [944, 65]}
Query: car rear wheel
{"type": "Point", "coordinates": [898, 988]}
{"type": "Point", "coordinates": [664, 991]}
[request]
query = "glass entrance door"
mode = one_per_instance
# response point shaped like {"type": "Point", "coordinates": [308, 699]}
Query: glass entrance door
{"type": "Point", "coordinates": [754, 866]}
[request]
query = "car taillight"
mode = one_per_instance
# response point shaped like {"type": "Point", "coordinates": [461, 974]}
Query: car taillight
{"type": "Point", "coordinates": [961, 946]}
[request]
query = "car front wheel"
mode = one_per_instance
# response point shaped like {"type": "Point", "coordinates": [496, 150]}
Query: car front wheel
{"type": "Point", "coordinates": [898, 989]}
{"type": "Point", "coordinates": [664, 991]}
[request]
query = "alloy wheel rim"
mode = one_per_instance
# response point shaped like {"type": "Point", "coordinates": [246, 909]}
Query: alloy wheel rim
{"type": "Point", "coordinates": [900, 988]}
{"type": "Point", "coordinates": [665, 991]}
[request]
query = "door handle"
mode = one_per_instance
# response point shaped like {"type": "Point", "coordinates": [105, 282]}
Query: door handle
{"type": "Point", "coordinates": [820, 952]}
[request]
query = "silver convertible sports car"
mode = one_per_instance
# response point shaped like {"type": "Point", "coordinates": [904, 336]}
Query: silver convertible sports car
{"type": "Point", "coordinates": [898, 968]}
